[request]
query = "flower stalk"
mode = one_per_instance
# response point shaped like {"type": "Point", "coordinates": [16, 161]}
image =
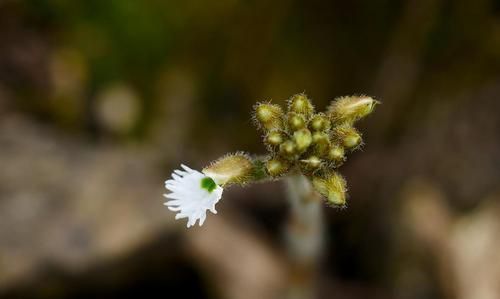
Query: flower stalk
{"type": "Point", "coordinates": [304, 236]}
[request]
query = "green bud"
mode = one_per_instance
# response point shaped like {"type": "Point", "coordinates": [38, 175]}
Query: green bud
{"type": "Point", "coordinates": [311, 163]}
{"type": "Point", "coordinates": [296, 121]}
{"type": "Point", "coordinates": [348, 136]}
{"type": "Point", "coordinates": [319, 122]}
{"type": "Point", "coordinates": [352, 141]}
{"type": "Point", "coordinates": [351, 108]}
{"type": "Point", "coordinates": [321, 142]}
{"type": "Point", "coordinates": [276, 167]}
{"type": "Point", "coordinates": [303, 139]}
{"type": "Point", "coordinates": [288, 149]}
{"type": "Point", "coordinates": [231, 169]}
{"type": "Point", "coordinates": [275, 138]}
{"type": "Point", "coordinates": [332, 186]}
{"type": "Point", "coordinates": [269, 116]}
{"type": "Point", "coordinates": [300, 104]}
{"type": "Point", "coordinates": [336, 153]}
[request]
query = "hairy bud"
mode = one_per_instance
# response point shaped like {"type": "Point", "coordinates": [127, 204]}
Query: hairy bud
{"type": "Point", "coordinates": [350, 109]}
{"type": "Point", "coordinates": [332, 186]}
{"type": "Point", "coordinates": [231, 169]}
{"type": "Point", "coordinates": [319, 122]}
{"type": "Point", "coordinates": [275, 138]}
{"type": "Point", "coordinates": [348, 136]}
{"type": "Point", "coordinates": [303, 139]}
{"type": "Point", "coordinates": [269, 116]}
{"type": "Point", "coordinates": [288, 149]}
{"type": "Point", "coordinates": [336, 153]}
{"type": "Point", "coordinates": [296, 121]}
{"type": "Point", "coordinates": [321, 142]}
{"type": "Point", "coordinates": [276, 167]}
{"type": "Point", "coordinates": [311, 163]}
{"type": "Point", "coordinates": [300, 104]}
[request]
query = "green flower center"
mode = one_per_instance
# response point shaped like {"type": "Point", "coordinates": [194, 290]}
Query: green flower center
{"type": "Point", "coordinates": [208, 184]}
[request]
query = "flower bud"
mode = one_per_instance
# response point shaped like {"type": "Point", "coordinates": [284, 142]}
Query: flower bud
{"type": "Point", "coordinates": [300, 104]}
{"type": "Point", "coordinates": [296, 121]}
{"type": "Point", "coordinates": [303, 139]}
{"type": "Point", "coordinates": [288, 149]}
{"type": "Point", "coordinates": [321, 142]}
{"type": "Point", "coordinates": [275, 138]}
{"type": "Point", "coordinates": [311, 163]}
{"type": "Point", "coordinates": [351, 108]}
{"type": "Point", "coordinates": [231, 169]}
{"type": "Point", "coordinates": [336, 153]}
{"type": "Point", "coordinates": [319, 122]}
{"type": "Point", "coordinates": [348, 136]}
{"type": "Point", "coordinates": [352, 141]}
{"type": "Point", "coordinates": [333, 187]}
{"type": "Point", "coordinates": [269, 116]}
{"type": "Point", "coordinates": [276, 167]}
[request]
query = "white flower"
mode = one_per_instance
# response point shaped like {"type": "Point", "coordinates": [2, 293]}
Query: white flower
{"type": "Point", "coordinates": [192, 194]}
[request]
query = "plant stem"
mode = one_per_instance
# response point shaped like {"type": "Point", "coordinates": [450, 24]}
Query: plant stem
{"type": "Point", "coordinates": [304, 236]}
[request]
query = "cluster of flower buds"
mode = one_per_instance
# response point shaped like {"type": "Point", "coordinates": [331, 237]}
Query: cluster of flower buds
{"type": "Point", "coordinates": [299, 140]}
{"type": "Point", "coordinates": [314, 143]}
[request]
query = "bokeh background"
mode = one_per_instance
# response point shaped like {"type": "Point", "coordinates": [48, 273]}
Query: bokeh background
{"type": "Point", "coordinates": [100, 100]}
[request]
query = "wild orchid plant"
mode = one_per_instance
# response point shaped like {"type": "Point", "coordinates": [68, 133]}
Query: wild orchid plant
{"type": "Point", "coordinates": [298, 140]}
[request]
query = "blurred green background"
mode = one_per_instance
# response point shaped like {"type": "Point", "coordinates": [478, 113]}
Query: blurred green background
{"type": "Point", "coordinates": [101, 99]}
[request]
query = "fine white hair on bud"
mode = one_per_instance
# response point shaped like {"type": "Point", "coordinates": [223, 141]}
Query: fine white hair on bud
{"type": "Point", "coordinates": [349, 109]}
{"type": "Point", "coordinates": [274, 138]}
{"type": "Point", "coordinates": [336, 154]}
{"type": "Point", "coordinates": [300, 104]}
{"type": "Point", "coordinates": [321, 142]}
{"type": "Point", "coordinates": [303, 139]}
{"type": "Point", "coordinates": [268, 116]}
{"type": "Point", "coordinates": [191, 194]}
{"type": "Point", "coordinates": [319, 122]}
{"type": "Point", "coordinates": [276, 167]}
{"type": "Point", "coordinates": [295, 121]}
{"type": "Point", "coordinates": [234, 168]}
{"type": "Point", "coordinates": [348, 136]}
{"type": "Point", "coordinates": [311, 163]}
{"type": "Point", "coordinates": [288, 149]}
{"type": "Point", "coordinates": [332, 186]}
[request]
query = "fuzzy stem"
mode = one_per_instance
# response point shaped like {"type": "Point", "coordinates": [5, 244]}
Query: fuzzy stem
{"type": "Point", "coordinates": [304, 236]}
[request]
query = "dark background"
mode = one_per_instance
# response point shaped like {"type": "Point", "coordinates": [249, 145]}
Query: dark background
{"type": "Point", "coordinates": [100, 100]}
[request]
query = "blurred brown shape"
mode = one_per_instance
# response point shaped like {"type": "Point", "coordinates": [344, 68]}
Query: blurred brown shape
{"type": "Point", "coordinates": [239, 261]}
{"type": "Point", "coordinates": [71, 205]}
{"type": "Point", "coordinates": [118, 109]}
{"type": "Point", "coordinates": [465, 247]}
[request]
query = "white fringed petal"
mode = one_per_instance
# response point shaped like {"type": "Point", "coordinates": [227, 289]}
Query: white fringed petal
{"type": "Point", "coordinates": [188, 198]}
